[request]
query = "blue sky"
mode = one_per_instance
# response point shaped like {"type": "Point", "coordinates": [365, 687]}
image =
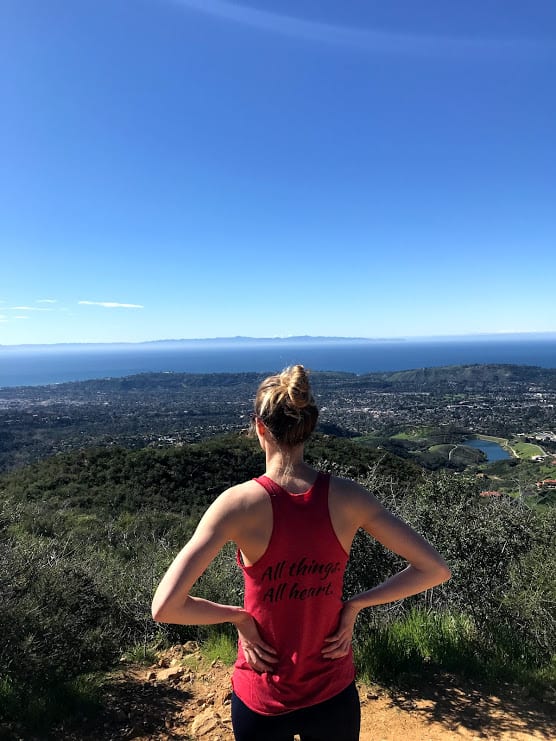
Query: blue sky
{"type": "Point", "coordinates": [203, 168]}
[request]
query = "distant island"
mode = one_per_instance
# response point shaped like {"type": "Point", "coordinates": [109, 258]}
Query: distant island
{"type": "Point", "coordinates": [214, 341]}
{"type": "Point", "coordinates": [244, 340]}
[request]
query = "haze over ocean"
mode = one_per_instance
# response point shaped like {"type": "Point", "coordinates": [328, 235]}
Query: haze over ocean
{"type": "Point", "coordinates": [57, 364]}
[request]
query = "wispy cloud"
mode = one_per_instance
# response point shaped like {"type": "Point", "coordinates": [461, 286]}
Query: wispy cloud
{"type": "Point", "coordinates": [21, 317]}
{"type": "Point", "coordinates": [47, 301]}
{"type": "Point", "coordinates": [111, 304]}
{"type": "Point", "coordinates": [363, 39]}
{"type": "Point", "coordinates": [28, 308]}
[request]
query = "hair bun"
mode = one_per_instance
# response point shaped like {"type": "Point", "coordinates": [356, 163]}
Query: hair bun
{"type": "Point", "coordinates": [286, 405]}
{"type": "Point", "coordinates": [295, 382]}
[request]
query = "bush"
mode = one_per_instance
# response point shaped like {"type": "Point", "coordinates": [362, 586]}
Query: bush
{"type": "Point", "coordinates": [502, 557]}
{"type": "Point", "coordinates": [56, 623]}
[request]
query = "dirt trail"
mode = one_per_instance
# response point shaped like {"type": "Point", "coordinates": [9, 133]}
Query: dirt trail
{"type": "Point", "coordinates": [189, 699]}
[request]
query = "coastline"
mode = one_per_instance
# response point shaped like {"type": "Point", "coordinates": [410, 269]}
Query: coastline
{"type": "Point", "coordinates": [45, 365]}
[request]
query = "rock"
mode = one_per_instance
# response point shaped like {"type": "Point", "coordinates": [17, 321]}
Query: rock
{"type": "Point", "coordinates": [188, 716]}
{"type": "Point", "coordinates": [150, 676]}
{"type": "Point", "coordinates": [190, 647]}
{"type": "Point", "coordinates": [207, 722]}
{"type": "Point", "coordinates": [169, 675]}
{"type": "Point", "coordinates": [226, 697]}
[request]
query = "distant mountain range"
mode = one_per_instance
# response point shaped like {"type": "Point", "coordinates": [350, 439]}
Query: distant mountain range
{"type": "Point", "coordinates": [293, 340]}
{"type": "Point", "coordinates": [239, 340]}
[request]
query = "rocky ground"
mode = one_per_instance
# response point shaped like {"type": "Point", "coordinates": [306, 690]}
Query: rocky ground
{"type": "Point", "coordinates": [184, 696]}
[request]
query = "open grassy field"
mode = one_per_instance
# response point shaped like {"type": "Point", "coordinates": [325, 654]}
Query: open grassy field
{"type": "Point", "coordinates": [416, 433]}
{"type": "Point", "coordinates": [526, 450]}
{"type": "Point", "coordinates": [443, 448]}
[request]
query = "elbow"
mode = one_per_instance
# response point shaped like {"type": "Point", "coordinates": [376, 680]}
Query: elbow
{"type": "Point", "coordinates": [444, 572]}
{"type": "Point", "coordinates": [437, 572]}
{"type": "Point", "coordinates": [159, 611]}
{"type": "Point", "coordinates": [168, 609]}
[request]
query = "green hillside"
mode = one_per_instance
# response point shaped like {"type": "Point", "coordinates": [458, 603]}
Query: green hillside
{"type": "Point", "coordinates": [85, 537]}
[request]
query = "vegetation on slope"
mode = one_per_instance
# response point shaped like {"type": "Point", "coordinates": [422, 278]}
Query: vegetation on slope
{"type": "Point", "coordinates": [85, 537]}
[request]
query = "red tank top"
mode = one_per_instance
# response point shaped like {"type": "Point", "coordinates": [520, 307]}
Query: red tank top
{"type": "Point", "coordinates": [294, 592]}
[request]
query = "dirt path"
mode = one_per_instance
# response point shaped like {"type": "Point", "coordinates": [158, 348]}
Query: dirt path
{"type": "Point", "coordinates": [189, 699]}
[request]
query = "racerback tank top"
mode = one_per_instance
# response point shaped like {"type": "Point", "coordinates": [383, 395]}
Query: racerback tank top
{"type": "Point", "coordinates": [294, 593]}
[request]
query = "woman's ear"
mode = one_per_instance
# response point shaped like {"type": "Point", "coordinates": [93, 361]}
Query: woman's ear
{"type": "Point", "coordinates": [260, 429]}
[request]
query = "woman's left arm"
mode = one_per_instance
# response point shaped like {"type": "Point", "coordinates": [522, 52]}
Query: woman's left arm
{"type": "Point", "coordinates": [426, 569]}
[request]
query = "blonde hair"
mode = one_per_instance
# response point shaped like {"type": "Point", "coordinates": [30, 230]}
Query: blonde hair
{"type": "Point", "coordinates": [286, 406]}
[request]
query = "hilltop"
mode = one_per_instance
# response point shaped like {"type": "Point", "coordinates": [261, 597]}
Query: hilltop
{"type": "Point", "coordinates": [86, 535]}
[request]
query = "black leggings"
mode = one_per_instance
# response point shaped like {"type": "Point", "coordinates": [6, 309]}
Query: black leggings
{"type": "Point", "coordinates": [337, 719]}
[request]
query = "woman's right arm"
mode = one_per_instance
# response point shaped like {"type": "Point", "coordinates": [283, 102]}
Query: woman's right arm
{"type": "Point", "coordinates": [173, 603]}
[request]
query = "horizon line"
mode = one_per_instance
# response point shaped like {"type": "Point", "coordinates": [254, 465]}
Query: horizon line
{"type": "Point", "coordinates": [286, 338]}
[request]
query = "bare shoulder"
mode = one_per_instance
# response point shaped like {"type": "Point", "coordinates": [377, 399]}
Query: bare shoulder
{"type": "Point", "coordinates": [355, 500]}
{"type": "Point", "coordinates": [241, 496]}
{"type": "Point", "coordinates": [350, 491]}
{"type": "Point", "coordinates": [235, 506]}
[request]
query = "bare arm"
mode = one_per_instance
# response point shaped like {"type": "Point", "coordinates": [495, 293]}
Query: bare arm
{"type": "Point", "coordinates": [172, 602]}
{"type": "Point", "coordinates": [426, 569]}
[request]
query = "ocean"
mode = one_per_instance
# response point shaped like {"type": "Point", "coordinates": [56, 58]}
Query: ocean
{"type": "Point", "coordinates": [41, 365]}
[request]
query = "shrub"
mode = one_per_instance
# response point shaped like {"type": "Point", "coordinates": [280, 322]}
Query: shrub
{"type": "Point", "coordinates": [56, 623]}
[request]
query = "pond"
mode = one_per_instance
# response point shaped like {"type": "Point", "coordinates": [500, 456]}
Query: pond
{"type": "Point", "coordinates": [493, 451]}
